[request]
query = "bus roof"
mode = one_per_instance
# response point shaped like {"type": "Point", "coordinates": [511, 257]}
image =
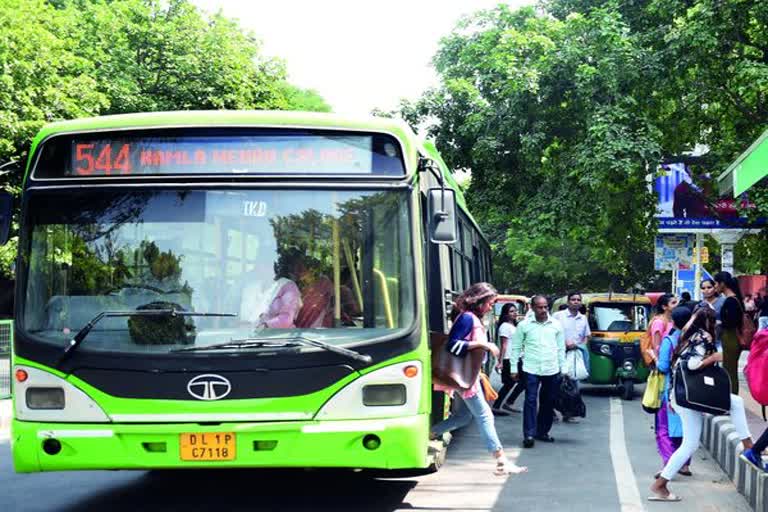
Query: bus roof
{"type": "Point", "coordinates": [287, 118]}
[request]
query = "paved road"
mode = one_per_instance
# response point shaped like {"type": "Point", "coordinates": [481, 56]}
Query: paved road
{"type": "Point", "coordinates": [604, 463]}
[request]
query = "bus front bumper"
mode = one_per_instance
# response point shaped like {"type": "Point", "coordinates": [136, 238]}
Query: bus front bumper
{"type": "Point", "coordinates": [402, 444]}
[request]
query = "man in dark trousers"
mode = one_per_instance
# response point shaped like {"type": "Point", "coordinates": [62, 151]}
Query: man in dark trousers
{"type": "Point", "coordinates": [541, 340]}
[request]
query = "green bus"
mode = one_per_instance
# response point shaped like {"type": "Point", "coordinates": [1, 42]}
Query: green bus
{"type": "Point", "coordinates": [233, 289]}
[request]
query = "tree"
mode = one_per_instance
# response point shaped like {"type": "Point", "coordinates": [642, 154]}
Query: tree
{"type": "Point", "coordinates": [65, 59]}
{"type": "Point", "coordinates": [542, 112]}
{"type": "Point", "coordinates": [564, 112]}
{"type": "Point", "coordinates": [42, 78]}
{"type": "Point", "coordinates": [307, 100]}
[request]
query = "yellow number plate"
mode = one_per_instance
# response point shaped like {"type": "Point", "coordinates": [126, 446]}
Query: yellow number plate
{"type": "Point", "coordinates": [207, 446]}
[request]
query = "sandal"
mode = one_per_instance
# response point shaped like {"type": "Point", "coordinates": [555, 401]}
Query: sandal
{"type": "Point", "coordinates": [504, 467]}
{"type": "Point", "coordinates": [685, 473]}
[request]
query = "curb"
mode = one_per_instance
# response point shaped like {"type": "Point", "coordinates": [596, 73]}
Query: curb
{"type": "Point", "coordinates": [722, 441]}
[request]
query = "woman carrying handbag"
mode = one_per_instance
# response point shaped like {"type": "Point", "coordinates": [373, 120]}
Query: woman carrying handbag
{"type": "Point", "coordinates": [472, 305]}
{"type": "Point", "coordinates": [669, 427]}
{"type": "Point", "coordinates": [696, 351]}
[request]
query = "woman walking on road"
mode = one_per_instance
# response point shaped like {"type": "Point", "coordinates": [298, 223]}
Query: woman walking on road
{"type": "Point", "coordinates": [731, 320]}
{"type": "Point", "coordinates": [669, 427]}
{"type": "Point", "coordinates": [662, 322]}
{"type": "Point", "coordinates": [472, 305]}
{"type": "Point", "coordinates": [511, 389]}
{"type": "Point", "coordinates": [697, 350]}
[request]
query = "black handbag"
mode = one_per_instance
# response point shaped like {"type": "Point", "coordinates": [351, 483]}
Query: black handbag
{"type": "Point", "coordinates": [568, 398]}
{"type": "Point", "coordinates": [705, 390]}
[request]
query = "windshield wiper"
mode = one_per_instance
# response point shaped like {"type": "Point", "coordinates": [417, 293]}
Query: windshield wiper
{"type": "Point", "coordinates": [82, 333]}
{"type": "Point", "coordinates": [357, 356]}
{"type": "Point", "coordinates": [292, 341]}
{"type": "Point", "coordinates": [242, 343]}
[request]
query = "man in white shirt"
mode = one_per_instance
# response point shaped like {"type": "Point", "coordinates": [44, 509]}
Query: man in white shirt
{"type": "Point", "coordinates": [576, 329]}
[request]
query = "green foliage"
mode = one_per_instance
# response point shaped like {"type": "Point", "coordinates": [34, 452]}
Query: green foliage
{"type": "Point", "coordinates": [539, 109]}
{"type": "Point", "coordinates": [564, 113]}
{"type": "Point", "coordinates": [307, 100]}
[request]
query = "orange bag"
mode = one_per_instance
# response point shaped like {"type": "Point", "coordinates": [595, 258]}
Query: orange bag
{"type": "Point", "coordinates": [490, 394]}
{"type": "Point", "coordinates": [646, 343]}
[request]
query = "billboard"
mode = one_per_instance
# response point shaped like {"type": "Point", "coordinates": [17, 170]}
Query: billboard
{"type": "Point", "coordinates": [688, 201]}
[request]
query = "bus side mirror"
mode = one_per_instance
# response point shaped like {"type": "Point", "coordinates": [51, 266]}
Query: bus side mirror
{"type": "Point", "coordinates": [6, 214]}
{"type": "Point", "coordinates": [442, 216]}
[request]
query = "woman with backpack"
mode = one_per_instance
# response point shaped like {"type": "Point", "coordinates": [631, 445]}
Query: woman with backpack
{"type": "Point", "coordinates": [468, 335]}
{"type": "Point", "coordinates": [731, 316]}
{"type": "Point", "coordinates": [697, 350]}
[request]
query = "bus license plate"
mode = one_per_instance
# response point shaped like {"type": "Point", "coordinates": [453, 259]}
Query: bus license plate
{"type": "Point", "coordinates": [207, 446]}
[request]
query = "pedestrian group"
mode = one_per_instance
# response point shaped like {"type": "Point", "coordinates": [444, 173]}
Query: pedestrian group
{"type": "Point", "coordinates": [687, 340]}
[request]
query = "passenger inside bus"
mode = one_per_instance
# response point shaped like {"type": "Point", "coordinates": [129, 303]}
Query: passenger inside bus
{"type": "Point", "coordinates": [301, 296]}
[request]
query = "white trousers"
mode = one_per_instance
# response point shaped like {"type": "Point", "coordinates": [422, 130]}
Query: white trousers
{"type": "Point", "coordinates": [693, 422]}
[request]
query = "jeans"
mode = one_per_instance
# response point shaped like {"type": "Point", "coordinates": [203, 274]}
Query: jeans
{"type": "Point", "coordinates": [511, 388]}
{"type": "Point", "coordinates": [693, 422]}
{"type": "Point", "coordinates": [467, 408]}
{"type": "Point", "coordinates": [541, 389]}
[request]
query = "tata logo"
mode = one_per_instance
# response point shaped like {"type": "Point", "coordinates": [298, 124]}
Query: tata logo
{"type": "Point", "coordinates": [209, 387]}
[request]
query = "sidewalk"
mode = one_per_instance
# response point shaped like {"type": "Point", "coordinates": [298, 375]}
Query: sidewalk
{"type": "Point", "coordinates": [722, 441]}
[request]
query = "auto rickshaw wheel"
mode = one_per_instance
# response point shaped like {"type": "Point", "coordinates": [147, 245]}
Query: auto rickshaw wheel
{"type": "Point", "coordinates": [627, 388]}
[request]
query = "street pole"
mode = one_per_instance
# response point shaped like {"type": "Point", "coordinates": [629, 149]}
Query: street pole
{"type": "Point", "coordinates": [674, 278]}
{"type": "Point", "coordinates": [697, 274]}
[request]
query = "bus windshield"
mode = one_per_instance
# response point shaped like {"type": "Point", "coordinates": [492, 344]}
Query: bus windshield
{"type": "Point", "coordinates": [335, 266]}
{"type": "Point", "coordinates": [618, 317]}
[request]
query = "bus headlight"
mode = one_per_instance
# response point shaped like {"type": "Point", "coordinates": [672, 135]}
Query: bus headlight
{"type": "Point", "coordinates": [45, 398]}
{"type": "Point", "coordinates": [384, 393]}
{"type": "Point", "coordinates": [377, 395]}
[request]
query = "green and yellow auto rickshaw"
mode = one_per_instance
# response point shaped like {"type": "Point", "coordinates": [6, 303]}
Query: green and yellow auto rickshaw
{"type": "Point", "coordinates": [617, 322]}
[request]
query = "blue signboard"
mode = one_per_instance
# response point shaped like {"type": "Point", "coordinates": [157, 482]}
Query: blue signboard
{"type": "Point", "coordinates": [686, 280]}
